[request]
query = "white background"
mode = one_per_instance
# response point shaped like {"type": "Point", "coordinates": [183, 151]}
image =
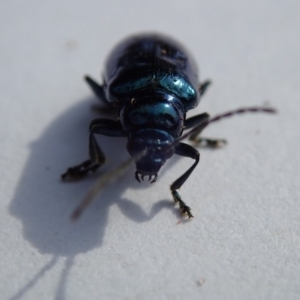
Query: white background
{"type": "Point", "coordinates": [132, 243]}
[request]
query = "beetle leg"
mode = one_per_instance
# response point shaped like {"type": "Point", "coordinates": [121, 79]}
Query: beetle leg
{"type": "Point", "coordinates": [210, 143]}
{"type": "Point", "coordinates": [187, 151]}
{"type": "Point", "coordinates": [197, 121]}
{"type": "Point", "coordinates": [203, 87]}
{"type": "Point", "coordinates": [97, 89]}
{"type": "Point", "coordinates": [202, 121]}
{"type": "Point", "coordinates": [98, 126]}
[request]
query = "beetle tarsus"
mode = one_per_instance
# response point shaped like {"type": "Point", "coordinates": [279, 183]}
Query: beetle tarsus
{"type": "Point", "coordinates": [80, 171]}
{"type": "Point", "coordinates": [210, 143]}
{"type": "Point", "coordinates": [183, 207]}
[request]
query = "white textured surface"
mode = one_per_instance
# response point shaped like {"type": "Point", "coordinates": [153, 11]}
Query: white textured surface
{"type": "Point", "coordinates": [244, 240]}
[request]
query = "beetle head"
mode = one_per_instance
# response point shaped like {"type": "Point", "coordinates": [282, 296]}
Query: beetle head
{"type": "Point", "coordinates": [159, 146]}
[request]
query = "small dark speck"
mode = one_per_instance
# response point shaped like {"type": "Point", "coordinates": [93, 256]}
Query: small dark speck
{"type": "Point", "coordinates": [71, 45]}
{"type": "Point", "coordinates": [47, 168]}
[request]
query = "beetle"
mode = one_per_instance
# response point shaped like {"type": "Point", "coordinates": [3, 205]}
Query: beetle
{"type": "Point", "coordinates": [152, 81]}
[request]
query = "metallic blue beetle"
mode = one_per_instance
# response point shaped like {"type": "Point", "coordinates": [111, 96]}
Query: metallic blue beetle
{"type": "Point", "coordinates": [152, 81]}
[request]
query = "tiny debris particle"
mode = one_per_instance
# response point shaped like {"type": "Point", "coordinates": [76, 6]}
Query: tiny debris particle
{"type": "Point", "coordinates": [201, 281]}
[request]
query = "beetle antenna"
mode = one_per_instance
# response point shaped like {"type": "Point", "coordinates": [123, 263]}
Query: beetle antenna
{"type": "Point", "coordinates": [103, 181]}
{"type": "Point", "coordinates": [243, 110]}
{"type": "Point", "coordinates": [228, 114]}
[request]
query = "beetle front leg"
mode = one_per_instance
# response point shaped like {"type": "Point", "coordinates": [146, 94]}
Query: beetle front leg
{"type": "Point", "coordinates": [97, 158]}
{"type": "Point", "coordinates": [187, 151]}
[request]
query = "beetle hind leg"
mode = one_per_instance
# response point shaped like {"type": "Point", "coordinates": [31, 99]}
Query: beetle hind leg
{"type": "Point", "coordinates": [206, 142]}
{"type": "Point", "coordinates": [201, 121]}
{"type": "Point", "coordinates": [203, 87]}
{"type": "Point", "coordinates": [209, 143]}
{"type": "Point", "coordinates": [97, 89]}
